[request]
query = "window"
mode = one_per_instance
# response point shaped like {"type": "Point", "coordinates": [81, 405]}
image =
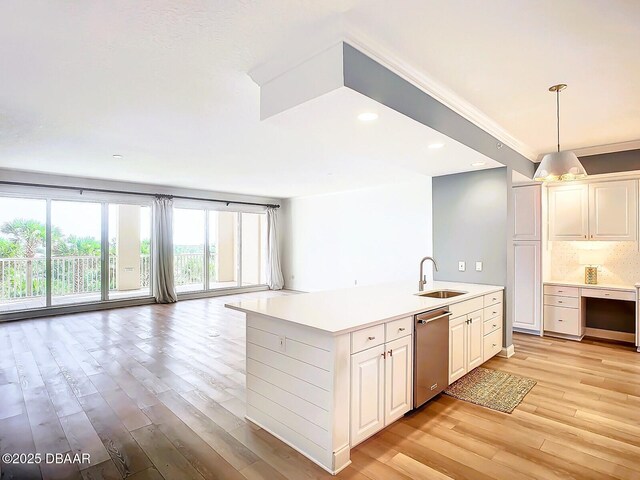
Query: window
{"type": "Point", "coordinates": [23, 283]}
{"type": "Point", "coordinates": [188, 249]}
{"type": "Point", "coordinates": [129, 251]}
{"type": "Point", "coordinates": [76, 249]}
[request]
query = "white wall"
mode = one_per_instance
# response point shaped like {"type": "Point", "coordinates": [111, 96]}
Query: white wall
{"type": "Point", "coordinates": [371, 236]}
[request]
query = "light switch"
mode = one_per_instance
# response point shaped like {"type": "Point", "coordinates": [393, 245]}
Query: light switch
{"type": "Point", "coordinates": [462, 266]}
{"type": "Point", "coordinates": [478, 266]}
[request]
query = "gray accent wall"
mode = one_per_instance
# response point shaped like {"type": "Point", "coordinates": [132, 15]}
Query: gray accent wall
{"type": "Point", "coordinates": [368, 77]}
{"type": "Point", "coordinates": [470, 224]}
{"type": "Point", "coordinates": [472, 221]}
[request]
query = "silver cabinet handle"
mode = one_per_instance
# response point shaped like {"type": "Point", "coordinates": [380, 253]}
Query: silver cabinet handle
{"type": "Point", "coordinates": [401, 329]}
{"type": "Point", "coordinates": [371, 338]}
{"type": "Point", "coordinates": [494, 326]}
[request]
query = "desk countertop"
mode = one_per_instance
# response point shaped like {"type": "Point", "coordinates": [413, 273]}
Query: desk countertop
{"type": "Point", "coordinates": [608, 286]}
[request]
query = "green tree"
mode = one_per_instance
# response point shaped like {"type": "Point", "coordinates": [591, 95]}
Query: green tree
{"type": "Point", "coordinates": [8, 249]}
{"type": "Point", "coordinates": [29, 237]}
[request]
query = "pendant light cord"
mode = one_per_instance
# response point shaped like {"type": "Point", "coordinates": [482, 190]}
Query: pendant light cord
{"type": "Point", "coordinates": [558, 115]}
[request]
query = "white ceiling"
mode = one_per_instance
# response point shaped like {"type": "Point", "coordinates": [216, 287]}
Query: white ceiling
{"type": "Point", "coordinates": [165, 84]}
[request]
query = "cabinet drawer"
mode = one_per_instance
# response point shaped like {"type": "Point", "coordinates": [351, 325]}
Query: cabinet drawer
{"type": "Point", "coordinates": [367, 338]}
{"type": "Point", "coordinates": [492, 298]}
{"type": "Point", "coordinates": [561, 290]}
{"type": "Point", "coordinates": [558, 301]}
{"type": "Point", "coordinates": [612, 294]}
{"type": "Point", "coordinates": [562, 320]}
{"type": "Point", "coordinates": [490, 326]}
{"type": "Point", "coordinates": [468, 306]}
{"type": "Point", "coordinates": [493, 311]}
{"type": "Point", "coordinates": [492, 344]}
{"type": "Point", "coordinates": [398, 328]}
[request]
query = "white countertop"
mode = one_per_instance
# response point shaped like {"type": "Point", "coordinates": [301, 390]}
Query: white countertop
{"type": "Point", "coordinates": [608, 286]}
{"type": "Point", "coordinates": [345, 310]}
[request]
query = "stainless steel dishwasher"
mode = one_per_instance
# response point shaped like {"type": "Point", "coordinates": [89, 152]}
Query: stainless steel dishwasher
{"type": "Point", "coordinates": [431, 355]}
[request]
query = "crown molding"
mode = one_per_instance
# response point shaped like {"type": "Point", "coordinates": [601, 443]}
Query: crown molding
{"type": "Point", "coordinates": [608, 148]}
{"type": "Point", "coordinates": [441, 93]}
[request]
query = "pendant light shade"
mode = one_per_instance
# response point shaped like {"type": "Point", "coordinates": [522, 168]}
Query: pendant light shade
{"type": "Point", "coordinates": [559, 166]}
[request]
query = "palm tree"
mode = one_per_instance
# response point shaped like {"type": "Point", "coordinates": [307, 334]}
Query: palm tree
{"type": "Point", "coordinates": [29, 237]}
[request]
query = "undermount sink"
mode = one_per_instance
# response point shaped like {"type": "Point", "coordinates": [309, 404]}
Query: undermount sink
{"type": "Point", "coordinates": [441, 293]}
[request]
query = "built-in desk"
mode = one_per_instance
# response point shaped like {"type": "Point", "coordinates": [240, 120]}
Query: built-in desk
{"type": "Point", "coordinates": [566, 310]}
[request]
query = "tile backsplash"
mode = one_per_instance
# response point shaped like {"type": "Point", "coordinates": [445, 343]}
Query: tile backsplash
{"type": "Point", "coordinates": [620, 261]}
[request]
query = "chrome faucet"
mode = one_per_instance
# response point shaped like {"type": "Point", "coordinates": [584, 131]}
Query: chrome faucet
{"type": "Point", "coordinates": [423, 277]}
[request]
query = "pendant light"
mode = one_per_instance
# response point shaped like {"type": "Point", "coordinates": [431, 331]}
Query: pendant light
{"type": "Point", "coordinates": [559, 166]}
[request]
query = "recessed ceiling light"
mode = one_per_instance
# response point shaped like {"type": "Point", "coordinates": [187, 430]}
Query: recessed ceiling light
{"type": "Point", "coordinates": [367, 116]}
{"type": "Point", "coordinates": [434, 146]}
{"type": "Point", "coordinates": [117, 156]}
{"type": "Point", "coordinates": [478, 164]}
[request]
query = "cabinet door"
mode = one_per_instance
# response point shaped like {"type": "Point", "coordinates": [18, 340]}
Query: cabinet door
{"type": "Point", "coordinates": [526, 201]}
{"type": "Point", "coordinates": [398, 379]}
{"type": "Point", "coordinates": [613, 210]}
{"type": "Point", "coordinates": [568, 212]}
{"type": "Point", "coordinates": [457, 348]}
{"type": "Point", "coordinates": [526, 286]}
{"type": "Point", "coordinates": [367, 393]}
{"type": "Point", "coordinates": [475, 340]}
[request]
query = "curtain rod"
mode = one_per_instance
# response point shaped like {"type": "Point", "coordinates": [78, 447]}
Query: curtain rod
{"type": "Point", "coordinates": [123, 192]}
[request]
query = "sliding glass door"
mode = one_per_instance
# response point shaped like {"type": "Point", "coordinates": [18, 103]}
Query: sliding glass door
{"type": "Point", "coordinates": [23, 282]}
{"type": "Point", "coordinates": [76, 252]}
{"type": "Point", "coordinates": [188, 249]}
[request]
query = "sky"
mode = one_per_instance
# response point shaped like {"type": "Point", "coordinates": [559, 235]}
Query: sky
{"type": "Point", "coordinates": [83, 219]}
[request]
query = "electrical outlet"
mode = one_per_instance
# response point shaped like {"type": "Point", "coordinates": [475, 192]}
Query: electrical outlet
{"type": "Point", "coordinates": [283, 343]}
{"type": "Point", "coordinates": [462, 266]}
{"type": "Point", "coordinates": [355, 282]}
{"type": "Point", "coordinates": [478, 266]}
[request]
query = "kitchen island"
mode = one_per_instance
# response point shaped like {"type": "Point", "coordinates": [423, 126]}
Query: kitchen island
{"type": "Point", "coordinates": [326, 370]}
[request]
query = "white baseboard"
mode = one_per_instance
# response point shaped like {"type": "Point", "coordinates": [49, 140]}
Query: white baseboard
{"type": "Point", "coordinates": [610, 335]}
{"type": "Point", "coordinates": [507, 352]}
{"type": "Point", "coordinates": [573, 338]}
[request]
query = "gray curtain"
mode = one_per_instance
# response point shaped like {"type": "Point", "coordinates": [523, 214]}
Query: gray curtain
{"type": "Point", "coordinates": [275, 279]}
{"type": "Point", "coordinates": [164, 289]}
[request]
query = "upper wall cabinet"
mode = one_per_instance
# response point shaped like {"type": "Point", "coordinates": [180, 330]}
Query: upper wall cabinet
{"type": "Point", "coordinates": [613, 210]}
{"type": "Point", "coordinates": [569, 212]}
{"type": "Point", "coordinates": [526, 202]}
{"type": "Point", "coordinates": [594, 211]}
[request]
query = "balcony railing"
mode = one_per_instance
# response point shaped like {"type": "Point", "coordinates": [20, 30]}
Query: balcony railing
{"type": "Point", "coordinates": [24, 278]}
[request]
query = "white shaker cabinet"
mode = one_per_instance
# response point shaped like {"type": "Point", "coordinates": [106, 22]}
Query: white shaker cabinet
{"type": "Point", "coordinates": [526, 286]}
{"type": "Point", "coordinates": [526, 201]}
{"type": "Point", "coordinates": [594, 211]}
{"type": "Point", "coordinates": [367, 393]}
{"type": "Point", "coordinates": [466, 341]}
{"type": "Point", "coordinates": [457, 348]}
{"type": "Point", "coordinates": [381, 377]}
{"type": "Point", "coordinates": [398, 378]}
{"type": "Point", "coordinates": [568, 212]}
{"type": "Point", "coordinates": [474, 340]}
{"type": "Point", "coordinates": [613, 210]}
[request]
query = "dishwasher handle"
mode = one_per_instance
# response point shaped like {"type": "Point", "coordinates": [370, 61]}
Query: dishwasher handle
{"type": "Point", "coordinates": [427, 319]}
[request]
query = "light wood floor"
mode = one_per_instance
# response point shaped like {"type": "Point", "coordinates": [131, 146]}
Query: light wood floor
{"type": "Point", "coordinates": [157, 392]}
